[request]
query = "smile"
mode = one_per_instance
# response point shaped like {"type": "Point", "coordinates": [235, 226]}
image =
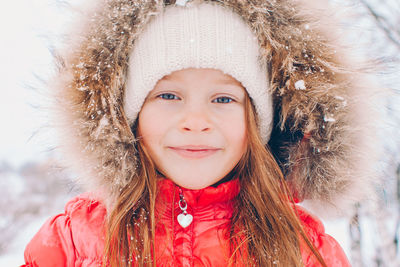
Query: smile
{"type": "Point", "coordinates": [194, 152]}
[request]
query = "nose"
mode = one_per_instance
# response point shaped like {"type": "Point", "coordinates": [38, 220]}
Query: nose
{"type": "Point", "coordinates": [196, 118]}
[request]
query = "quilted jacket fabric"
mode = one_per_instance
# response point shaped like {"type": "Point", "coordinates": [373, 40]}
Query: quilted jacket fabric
{"type": "Point", "coordinates": [76, 237]}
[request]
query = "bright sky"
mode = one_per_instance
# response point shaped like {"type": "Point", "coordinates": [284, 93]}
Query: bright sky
{"type": "Point", "coordinates": [25, 26]}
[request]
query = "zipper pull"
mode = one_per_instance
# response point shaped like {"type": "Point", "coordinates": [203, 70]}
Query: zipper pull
{"type": "Point", "coordinates": [184, 219]}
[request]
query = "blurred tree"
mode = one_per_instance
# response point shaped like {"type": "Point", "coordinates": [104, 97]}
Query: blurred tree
{"type": "Point", "coordinates": [379, 20]}
{"type": "Point", "coordinates": [386, 15]}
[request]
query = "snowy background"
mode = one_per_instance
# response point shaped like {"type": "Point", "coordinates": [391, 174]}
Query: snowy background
{"type": "Point", "coordinates": [34, 187]}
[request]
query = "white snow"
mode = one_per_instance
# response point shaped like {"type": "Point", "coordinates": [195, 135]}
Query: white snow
{"type": "Point", "coordinates": [329, 119]}
{"type": "Point", "coordinates": [14, 255]}
{"type": "Point", "coordinates": [299, 85]}
{"type": "Point", "coordinates": [181, 2]}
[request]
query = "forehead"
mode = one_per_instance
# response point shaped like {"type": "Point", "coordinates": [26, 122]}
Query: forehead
{"type": "Point", "coordinates": [204, 75]}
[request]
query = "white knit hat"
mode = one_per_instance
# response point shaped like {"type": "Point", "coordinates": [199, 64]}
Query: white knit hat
{"type": "Point", "coordinates": [198, 36]}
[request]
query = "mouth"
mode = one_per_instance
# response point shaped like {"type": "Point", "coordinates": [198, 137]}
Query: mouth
{"type": "Point", "coordinates": [194, 151]}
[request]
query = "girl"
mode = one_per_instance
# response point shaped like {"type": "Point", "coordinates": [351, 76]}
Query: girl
{"type": "Point", "coordinates": [198, 125]}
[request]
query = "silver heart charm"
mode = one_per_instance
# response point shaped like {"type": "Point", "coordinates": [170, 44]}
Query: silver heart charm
{"type": "Point", "coordinates": [185, 219]}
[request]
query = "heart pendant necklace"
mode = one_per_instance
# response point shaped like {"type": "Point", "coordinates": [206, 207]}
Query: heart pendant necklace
{"type": "Point", "coordinates": [184, 219]}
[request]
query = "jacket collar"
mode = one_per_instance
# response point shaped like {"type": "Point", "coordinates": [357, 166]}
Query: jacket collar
{"type": "Point", "coordinates": [225, 192]}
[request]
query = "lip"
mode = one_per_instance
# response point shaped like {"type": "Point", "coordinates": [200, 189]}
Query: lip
{"type": "Point", "coordinates": [194, 151]}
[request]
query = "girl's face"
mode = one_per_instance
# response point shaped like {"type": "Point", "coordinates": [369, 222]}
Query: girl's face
{"type": "Point", "coordinates": [193, 126]}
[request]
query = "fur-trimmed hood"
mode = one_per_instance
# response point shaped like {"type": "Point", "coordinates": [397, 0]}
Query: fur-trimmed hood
{"type": "Point", "coordinates": [322, 116]}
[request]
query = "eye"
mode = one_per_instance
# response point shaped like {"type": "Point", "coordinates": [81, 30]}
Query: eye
{"type": "Point", "coordinates": [223, 100]}
{"type": "Point", "coordinates": [168, 96]}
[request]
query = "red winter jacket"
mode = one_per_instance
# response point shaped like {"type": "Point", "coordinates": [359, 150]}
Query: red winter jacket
{"type": "Point", "coordinates": [76, 238]}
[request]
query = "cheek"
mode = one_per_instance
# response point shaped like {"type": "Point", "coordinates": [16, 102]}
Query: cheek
{"type": "Point", "coordinates": [235, 132]}
{"type": "Point", "coordinates": [149, 126]}
{"type": "Point", "coordinates": [241, 139]}
{"type": "Point", "coordinates": [236, 128]}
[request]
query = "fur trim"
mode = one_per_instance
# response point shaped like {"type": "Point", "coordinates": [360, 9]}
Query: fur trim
{"type": "Point", "coordinates": [321, 106]}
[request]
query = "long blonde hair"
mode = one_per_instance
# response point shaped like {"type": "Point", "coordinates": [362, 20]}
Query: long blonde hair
{"type": "Point", "coordinates": [265, 230]}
